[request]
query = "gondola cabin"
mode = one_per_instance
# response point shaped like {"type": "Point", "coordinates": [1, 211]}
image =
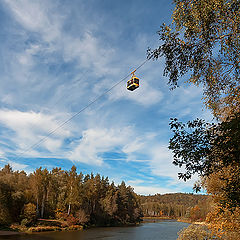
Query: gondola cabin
{"type": "Point", "coordinates": [133, 83]}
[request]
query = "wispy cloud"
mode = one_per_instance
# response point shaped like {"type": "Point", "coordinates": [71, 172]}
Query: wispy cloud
{"type": "Point", "coordinates": [58, 56]}
{"type": "Point", "coordinates": [37, 16]}
{"type": "Point", "coordinates": [30, 127]}
{"type": "Point", "coordinates": [97, 141]}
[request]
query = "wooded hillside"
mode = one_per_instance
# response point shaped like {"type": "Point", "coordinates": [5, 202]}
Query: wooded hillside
{"type": "Point", "coordinates": [176, 205]}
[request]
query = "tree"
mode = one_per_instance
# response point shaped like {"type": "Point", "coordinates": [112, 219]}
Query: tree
{"type": "Point", "coordinates": [195, 213]}
{"type": "Point", "coordinates": [13, 188]}
{"type": "Point", "coordinates": [203, 41]}
{"type": "Point", "coordinates": [205, 148]}
{"type": "Point", "coordinates": [5, 203]}
{"type": "Point", "coordinates": [73, 188]}
{"type": "Point", "coordinates": [40, 184]}
{"type": "Point", "coordinates": [213, 151]}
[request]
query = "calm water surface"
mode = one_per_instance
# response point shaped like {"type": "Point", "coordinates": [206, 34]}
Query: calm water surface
{"type": "Point", "coordinates": [162, 230]}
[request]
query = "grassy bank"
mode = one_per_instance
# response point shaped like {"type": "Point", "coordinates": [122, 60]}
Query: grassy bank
{"type": "Point", "coordinates": [47, 225]}
{"type": "Point", "coordinates": [44, 225]}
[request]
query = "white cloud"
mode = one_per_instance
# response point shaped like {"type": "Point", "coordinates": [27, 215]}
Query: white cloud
{"type": "Point", "coordinates": [99, 140]}
{"type": "Point", "coordinates": [83, 51]}
{"type": "Point", "coordinates": [25, 58]}
{"type": "Point", "coordinates": [2, 154]}
{"type": "Point", "coordinates": [30, 127]}
{"type": "Point", "coordinates": [146, 190]}
{"type": "Point", "coordinates": [133, 146]}
{"type": "Point", "coordinates": [36, 16]}
{"type": "Point", "coordinates": [89, 52]}
{"type": "Point", "coordinates": [43, 18]}
{"type": "Point", "coordinates": [161, 161]}
{"type": "Point", "coordinates": [17, 166]}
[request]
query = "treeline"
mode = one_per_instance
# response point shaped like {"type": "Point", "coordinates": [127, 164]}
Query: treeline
{"type": "Point", "coordinates": [176, 205]}
{"type": "Point", "coordinates": [65, 195]}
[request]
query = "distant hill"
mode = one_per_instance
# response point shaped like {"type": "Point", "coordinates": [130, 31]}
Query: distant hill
{"type": "Point", "coordinates": [176, 205]}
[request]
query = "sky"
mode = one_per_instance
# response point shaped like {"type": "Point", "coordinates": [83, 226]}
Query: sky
{"type": "Point", "coordinates": [58, 56]}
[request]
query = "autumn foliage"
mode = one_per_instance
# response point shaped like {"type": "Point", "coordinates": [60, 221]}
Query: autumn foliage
{"type": "Point", "coordinates": [202, 47]}
{"type": "Point", "coordinates": [67, 196]}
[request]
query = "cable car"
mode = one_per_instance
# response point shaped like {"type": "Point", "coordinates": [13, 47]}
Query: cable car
{"type": "Point", "coordinates": [133, 83]}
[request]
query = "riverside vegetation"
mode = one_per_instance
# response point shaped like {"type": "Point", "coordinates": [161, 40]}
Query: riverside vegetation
{"type": "Point", "coordinates": [201, 47]}
{"type": "Point", "coordinates": [66, 200]}
{"type": "Point", "coordinates": [59, 200]}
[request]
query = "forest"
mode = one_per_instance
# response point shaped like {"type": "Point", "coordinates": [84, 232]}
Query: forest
{"type": "Point", "coordinates": [67, 196]}
{"type": "Point", "coordinates": [181, 206]}
{"type": "Point", "coordinates": [86, 200]}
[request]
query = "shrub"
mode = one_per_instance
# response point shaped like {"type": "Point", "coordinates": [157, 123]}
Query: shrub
{"type": "Point", "coordinates": [59, 214]}
{"type": "Point", "coordinates": [29, 214]}
{"type": "Point", "coordinates": [82, 217]}
{"type": "Point", "coordinates": [194, 232]}
{"type": "Point", "coordinates": [24, 222]}
{"type": "Point", "coordinates": [71, 220]}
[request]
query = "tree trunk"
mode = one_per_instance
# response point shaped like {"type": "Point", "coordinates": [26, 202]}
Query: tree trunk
{"type": "Point", "coordinates": [37, 210]}
{"type": "Point", "coordinates": [69, 208]}
{"type": "Point", "coordinates": [43, 205]}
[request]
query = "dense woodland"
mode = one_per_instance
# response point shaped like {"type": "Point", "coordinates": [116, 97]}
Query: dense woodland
{"type": "Point", "coordinates": [86, 200]}
{"type": "Point", "coordinates": [191, 207]}
{"type": "Point", "coordinates": [67, 196]}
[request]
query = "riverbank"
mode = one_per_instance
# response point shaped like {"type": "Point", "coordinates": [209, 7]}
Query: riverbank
{"type": "Point", "coordinates": [161, 230]}
{"type": "Point", "coordinates": [42, 225]}
{"type": "Point", "coordinates": [9, 233]}
{"type": "Point", "coordinates": [190, 222]}
{"type": "Point", "coordinates": [52, 225]}
{"type": "Point", "coordinates": [163, 218]}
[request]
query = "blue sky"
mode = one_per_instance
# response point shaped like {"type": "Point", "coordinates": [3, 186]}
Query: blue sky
{"type": "Point", "coordinates": [56, 57]}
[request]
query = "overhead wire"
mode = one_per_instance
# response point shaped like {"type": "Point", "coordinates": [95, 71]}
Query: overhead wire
{"type": "Point", "coordinates": [77, 113]}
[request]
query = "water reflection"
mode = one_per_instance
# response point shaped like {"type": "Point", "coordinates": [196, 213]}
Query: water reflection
{"type": "Point", "coordinates": [147, 231]}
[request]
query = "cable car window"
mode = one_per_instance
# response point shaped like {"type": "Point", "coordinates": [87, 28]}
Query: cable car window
{"type": "Point", "coordinates": [136, 80]}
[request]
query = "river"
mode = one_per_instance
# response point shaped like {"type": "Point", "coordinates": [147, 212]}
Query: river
{"type": "Point", "coordinates": [160, 230]}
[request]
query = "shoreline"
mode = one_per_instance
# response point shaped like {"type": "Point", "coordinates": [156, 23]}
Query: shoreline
{"type": "Point", "coordinates": [39, 229]}
{"type": "Point", "coordinates": [195, 223]}
{"type": "Point", "coordinates": [16, 229]}
{"type": "Point", "coordinates": [9, 233]}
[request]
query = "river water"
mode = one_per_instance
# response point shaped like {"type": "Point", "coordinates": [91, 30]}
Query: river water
{"type": "Point", "coordinates": [160, 230]}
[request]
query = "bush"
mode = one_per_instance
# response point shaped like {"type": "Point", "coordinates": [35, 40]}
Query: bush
{"type": "Point", "coordinates": [71, 220]}
{"type": "Point", "coordinates": [59, 214]}
{"type": "Point", "coordinates": [194, 232]}
{"type": "Point", "coordinates": [24, 222]}
{"type": "Point", "coordinates": [4, 216]}
{"type": "Point", "coordinates": [44, 229]}
{"type": "Point", "coordinates": [82, 217]}
{"type": "Point", "coordinates": [29, 215]}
